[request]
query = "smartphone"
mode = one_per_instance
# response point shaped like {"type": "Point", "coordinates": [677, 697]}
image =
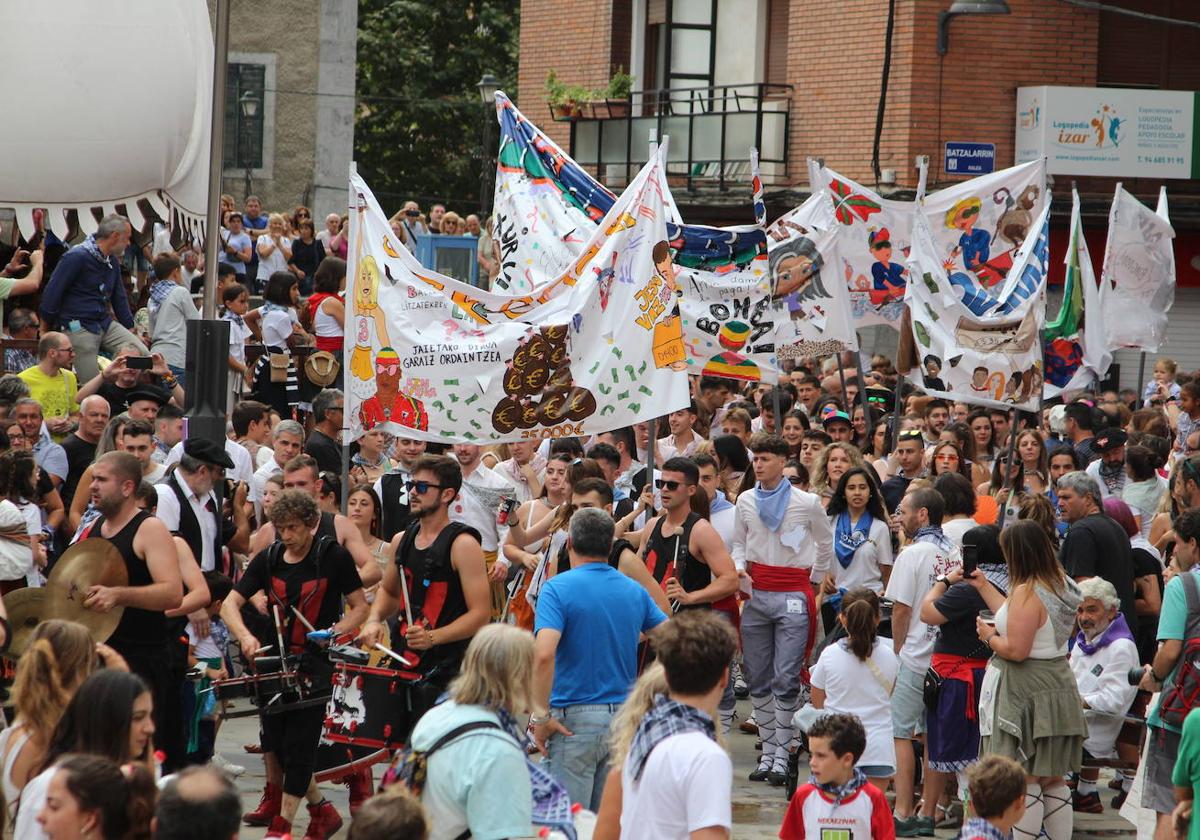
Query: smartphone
{"type": "Point", "coordinates": [970, 558]}
{"type": "Point", "coordinates": [139, 362]}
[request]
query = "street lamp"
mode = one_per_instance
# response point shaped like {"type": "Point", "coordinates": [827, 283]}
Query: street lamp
{"type": "Point", "coordinates": [487, 86]}
{"type": "Point", "coordinates": [965, 7]}
{"type": "Point", "coordinates": [248, 103]}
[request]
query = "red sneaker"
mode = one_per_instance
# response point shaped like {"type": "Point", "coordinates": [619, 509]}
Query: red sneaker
{"type": "Point", "coordinates": [280, 828]}
{"type": "Point", "coordinates": [362, 788]}
{"type": "Point", "coordinates": [268, 807]}
{"type": "Point", "coordinates": [323, 821]}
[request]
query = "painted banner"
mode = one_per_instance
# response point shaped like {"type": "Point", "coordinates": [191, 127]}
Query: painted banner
{"type": "Point", "coordinates": [1076, 350]}
{"type": "Point", "coordinates": [981, 351]}
{"type": "Point", "coordinates": [598, 348]}
{"type": "Point", "coordinates": [546, 208]}
{"type": "Point", "coordinates": [1138, 275]}
{"type": "Point", "coordinates": [979, 224]}
{"type": "Point", "coordinates": [874, 233]}
{"type": "Point", "coordinates": [812, 304]}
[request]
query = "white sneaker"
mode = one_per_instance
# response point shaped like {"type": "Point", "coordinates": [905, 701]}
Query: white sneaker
{"type": "Point", "coordinates": [219, 762]}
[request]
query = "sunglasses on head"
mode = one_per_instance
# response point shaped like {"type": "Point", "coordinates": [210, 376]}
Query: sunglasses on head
{"type": "Point", "coordinates": [663, 484]}
{"type": "Point", "coordinates": [910, 434]}
{"type": "Point", "coordinates": [795, 481]}
{"type": "Point", "coordinates": [423, 487]}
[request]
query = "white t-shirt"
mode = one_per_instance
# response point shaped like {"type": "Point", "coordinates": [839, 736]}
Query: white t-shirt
{"type": "Point", "coordinates": [956, 529]}
{"type": "Point", "coordinates": [205, 647]}
{"type": "Point", "coordinates": [685, 786]}
{"type": "Point", "coordinates": [866, 567]}
{"type": "Point", "coordinates": [33, 798]}
{"type": "Point", "coordinates": [912, 577]}
{"type": "Point", "coordinates": [275, 261]}
{"type": "Point", "coordinates": [277, 327]}
{"type": "Point", "coordinates": [851, 687]}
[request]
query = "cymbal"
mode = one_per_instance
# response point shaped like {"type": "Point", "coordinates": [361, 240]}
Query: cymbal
{"type": "Point", "coordinates": [88, 563]}
{"type": "Point", "coordinates": [26, 608]}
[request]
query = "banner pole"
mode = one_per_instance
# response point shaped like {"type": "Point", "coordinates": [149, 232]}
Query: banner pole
{"type": "Point", "coordinates": [842, 377]}
{"type": "Point", "coordinates": [862, 394]}
{"type": "Point", "coordinates": [1141, 376]}
{"type": "Point", "coordinates": [352, 224]}
{"type": "Point", "coordinates": [1012, 445]}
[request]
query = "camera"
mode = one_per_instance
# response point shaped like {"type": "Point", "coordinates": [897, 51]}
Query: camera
{"type": "Point", "coordinates": [1135, 675]}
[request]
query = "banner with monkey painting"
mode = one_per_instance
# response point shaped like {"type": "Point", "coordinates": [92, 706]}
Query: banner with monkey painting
{"type": "Point", "coordinates": [970, 345]}
{"type": "Point", "coordinates": [546, 208]}
{"type": "Point", "coordinates": [600, 347]}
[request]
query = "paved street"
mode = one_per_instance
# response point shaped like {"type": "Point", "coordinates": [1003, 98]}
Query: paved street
{"type": "Point", "coordinates": [757, 808]}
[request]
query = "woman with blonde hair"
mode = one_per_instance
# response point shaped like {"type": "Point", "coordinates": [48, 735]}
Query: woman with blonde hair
{"type": "Point", "coordinates": [477, 782]}
{"type": "Point", "coordinates": [274, 248]}
{"type": "Point", "coordinates": [829, 466]}
{"type": "Point", "coordinates": [59, 658]}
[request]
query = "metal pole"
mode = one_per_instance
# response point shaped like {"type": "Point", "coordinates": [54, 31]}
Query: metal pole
{"type": "Point", "coordinates": [1141, 377]}
{"type": "Point", "coordinates": [216, 158]}
{"type": "Point", "coordinates": [862, 394]}
{"type": "Point", "coordinates": [842, 377]}
{"type": "Point", "coordinates": [1012, 446]}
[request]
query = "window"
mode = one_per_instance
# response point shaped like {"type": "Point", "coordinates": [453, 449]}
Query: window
{"type": "Point", "coordinates": [245, 112]}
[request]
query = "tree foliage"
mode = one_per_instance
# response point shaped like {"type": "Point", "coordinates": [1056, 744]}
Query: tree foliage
{"type": "Point", "coordinates": [419, 124]}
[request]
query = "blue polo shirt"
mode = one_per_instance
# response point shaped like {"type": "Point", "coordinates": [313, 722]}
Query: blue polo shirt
{"type": "Point", "coordinates": [600, 614]}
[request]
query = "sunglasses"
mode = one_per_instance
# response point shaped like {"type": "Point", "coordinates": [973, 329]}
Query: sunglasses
{"type": "Point", "coordinates": [795, 481]}
{"type": "Point", "coordinates": [423, 487]}
{"type": "Point", "coordinates": [663, 484]}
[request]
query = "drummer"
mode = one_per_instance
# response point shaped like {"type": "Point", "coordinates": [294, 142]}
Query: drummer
{"type": "Point", "coordinates": [155, 585]}
{"type": "Point", "coordinates": [445, 582]}
{"type": "Point", "coordinates": [313, 573]}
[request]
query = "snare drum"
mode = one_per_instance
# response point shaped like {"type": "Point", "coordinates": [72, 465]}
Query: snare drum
{"type": "Point", "coordinates": [369, 707]}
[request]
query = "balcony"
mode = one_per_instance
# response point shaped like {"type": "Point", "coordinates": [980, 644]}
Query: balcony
{"type": "Point", "coordinates": [712, 131]}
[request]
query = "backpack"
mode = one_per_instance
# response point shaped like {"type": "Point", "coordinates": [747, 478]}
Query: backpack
{"type": "Point", "coordinates": [1183, 693]}
{"type": "Point", "coordinates": [409, 767]}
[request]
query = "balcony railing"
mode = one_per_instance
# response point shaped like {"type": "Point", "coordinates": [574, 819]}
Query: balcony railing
{"type": "Point", "coordinates": [711, 130]}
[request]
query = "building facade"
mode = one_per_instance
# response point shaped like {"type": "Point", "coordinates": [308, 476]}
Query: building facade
{"type": "Point", "coordinates": [804, 79]}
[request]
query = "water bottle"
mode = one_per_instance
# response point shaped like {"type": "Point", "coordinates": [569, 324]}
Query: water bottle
{"type": "Point", "coordinates": [585, 822]}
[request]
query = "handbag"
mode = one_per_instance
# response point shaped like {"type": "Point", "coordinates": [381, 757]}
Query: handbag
{"type": "Point", "coordinates": [279, 366]}
{"type": "Point", "coordinates": [931, 688]}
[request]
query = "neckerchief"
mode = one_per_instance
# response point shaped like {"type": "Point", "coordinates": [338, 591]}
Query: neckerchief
{"type": "Point", "coordinates": [358, 460]}
{"type": "Point", "coordinates": [719, 503]}
{"type": "Point", "coordinates": [848, 536]}
{"type": "Point", "coordinates": [272, 307]}
{"type": "Point", "coordinates": [843, 791]}
{"type": "Point", "coordinates": [232, 317]}
{"type": "Point", "coordinates": [772, 504]}
{"type": "Point", "coordinates": [92, 248]}
{"type": "Point", "coordinates": [1113, 475]}
{"type": "Point", "coordinates": [933, 534]}
{"type": "Point", "coordinates": [159, 290]}
{"type": "Point", "coordinates": [1118, 629]}
{"type": "Point", "coordinates": [980, 829]}
{"type": "Point", "coordinates": [666, 717]}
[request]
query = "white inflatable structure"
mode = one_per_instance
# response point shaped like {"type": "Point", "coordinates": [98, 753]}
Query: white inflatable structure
{"type": "Point", "coordinates": [109, 104]}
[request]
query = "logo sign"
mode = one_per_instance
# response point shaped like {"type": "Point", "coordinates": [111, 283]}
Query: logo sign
{"type": "Point", "coordinates": [970, 158]}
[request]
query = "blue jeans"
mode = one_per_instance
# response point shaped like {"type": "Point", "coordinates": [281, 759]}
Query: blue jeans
{"type": "Point", "coordinates": [580, 761]}
{"type": "Point", "coordinates": [180, 374]}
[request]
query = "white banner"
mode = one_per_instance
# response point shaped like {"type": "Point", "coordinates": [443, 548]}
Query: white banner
{"type": "Point", "coordinates": [874, 237]}
{"type": "Point", "coordinates": [546, 208]}
{"type": "Point", "coordinates": [599, 348]}
{"type": "Point", "coordinates": [985, 352]}
{"type": "Point", "coordinates": [978, 225]}
{"type": "Point", "coordinates": [812, 304]}
{"type": "Point", "coordinates": [1139, 273]}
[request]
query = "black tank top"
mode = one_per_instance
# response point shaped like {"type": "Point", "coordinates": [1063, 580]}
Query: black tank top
{"type": "Point", "coordinates": [436, 595]}
{"type": "Point", "coordinates": [327, 527]}
{"type": "Point", "coordinates": [143, 630]}
{"type": "Point", "coordinates": [668, 557]}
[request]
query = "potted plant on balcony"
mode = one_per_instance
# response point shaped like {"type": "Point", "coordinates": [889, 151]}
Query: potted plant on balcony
{"type": "Point", "coordinates": [617, 94]}
{"type": "Point", "coordinates": [565, 102]}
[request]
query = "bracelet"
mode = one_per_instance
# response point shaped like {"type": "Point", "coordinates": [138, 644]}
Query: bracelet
{"type": "Point", "coordinates": [431, 641]}
{"type": "Point", "coordinates": [538, 720]}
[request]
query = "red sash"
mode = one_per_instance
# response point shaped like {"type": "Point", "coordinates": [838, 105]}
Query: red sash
{"type": "Point", "coordinates": [788, 579]}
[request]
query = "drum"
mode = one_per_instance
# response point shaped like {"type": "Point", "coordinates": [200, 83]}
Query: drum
{"type": "Point", "coordinates": [369, 715]}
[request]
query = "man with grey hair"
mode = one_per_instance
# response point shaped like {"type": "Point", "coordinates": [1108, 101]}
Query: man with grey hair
{"type": "Point", "coordinates": [81, 446]}
{"type": "Point", "coordinates": [322, 442]}
{"type": "Point", "coordinates": [85, 292]}
{"type": "Point", "coordinates": [27, 413]}
{"type": "Point", "coordinates": [12, 388]}
{"type": "Point", "coordinates": [288, 440]}
{"type": "Point", "coordinates": [1095, 545]}
{"type": "Point", "coordinates": [1104, 654]}
{"type": "Point", "coordinates": [585, 656]}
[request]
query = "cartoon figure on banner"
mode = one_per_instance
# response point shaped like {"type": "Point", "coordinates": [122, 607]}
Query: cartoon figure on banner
{"type": "Point", "coordinates": [862, 296]}
{"type": "Point", "coordinates": [661, 295]}
{"type": "Point", "coordinates": [1017, 219]}
{"type": "Point", "coordinates": [390, 404]}
{"type": "Point", "coordinates": [991, 384]}
{"type": "Point", "coordinates": [729, 363]}
{"type": "Point", "coordinates": [795, 268]}
{"type": "Point", "coordinates": [889, 277]}
{"type": "Point", "coordinates": [367, 314]}
{"type": "Point", "coordinates": [933, 372]}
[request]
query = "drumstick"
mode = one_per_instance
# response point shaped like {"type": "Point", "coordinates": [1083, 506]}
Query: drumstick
{"type": "Point", "coordinates": [404, 589]}
{"type": "Point", "coordinates": [393, 654]}
{"type": "Point", "coordinates": [279, 637]}
{"type": "Point", "coordinates": [304, 620]}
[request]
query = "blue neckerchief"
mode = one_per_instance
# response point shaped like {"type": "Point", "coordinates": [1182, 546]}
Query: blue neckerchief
{"type": "Point", "coordinates": [772, 504]}
{"type": "Point", "coordinates": [719, 503]}
{"type": "Point", "coordinates": [233, 317]}
{"type": "Point", "coordinates": [933, 534]}
{"type": "Point", "coordinates": [848, 536]}
{"type": "Point", "coordinates": [92, 248]}
{"type": "Point", "coordinates": [666, 717]}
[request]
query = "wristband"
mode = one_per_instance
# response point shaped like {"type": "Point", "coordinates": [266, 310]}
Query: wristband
{"type": "Point", "coordinates": [538, 720]}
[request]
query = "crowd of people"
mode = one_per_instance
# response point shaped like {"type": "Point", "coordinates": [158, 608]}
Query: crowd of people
{"type": "Point", "coordinates": [958, 614]}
